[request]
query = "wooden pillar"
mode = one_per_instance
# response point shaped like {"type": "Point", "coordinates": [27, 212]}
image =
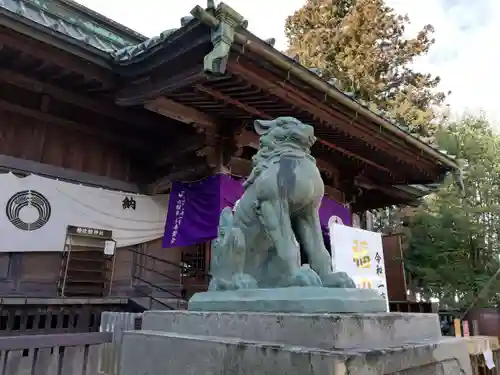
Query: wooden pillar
{"type": "Point", "coordinates": [221, 144]}
{"type": "Point", "coordinates": [214, 153]}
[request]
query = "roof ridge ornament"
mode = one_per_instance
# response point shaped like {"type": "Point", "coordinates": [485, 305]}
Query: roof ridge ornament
{"type": "Point", "coordinates": [222, 36]}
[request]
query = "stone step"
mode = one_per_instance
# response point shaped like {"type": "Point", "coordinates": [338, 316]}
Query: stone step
{"type": "Point", "coordinates": [324, 331]}
{"type": "Point", "coordinates": [155, 353]}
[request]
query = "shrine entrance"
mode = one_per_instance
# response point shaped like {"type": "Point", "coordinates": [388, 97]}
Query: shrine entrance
{"type": "Point", "coordinates": [194, 268]}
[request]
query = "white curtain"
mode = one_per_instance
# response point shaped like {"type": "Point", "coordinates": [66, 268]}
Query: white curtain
{"type": "Point", "coordinates": [35, 212]}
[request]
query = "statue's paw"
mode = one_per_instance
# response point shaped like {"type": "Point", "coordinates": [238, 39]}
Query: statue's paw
{"type": "Point", "coordinates": [218, 284]}
{"type": "Point", "coordinates": [302, 277]}
{"type": "Point", "coordinates": [244, 281]}
{"type": "Point", "coordinates": [338, 280]}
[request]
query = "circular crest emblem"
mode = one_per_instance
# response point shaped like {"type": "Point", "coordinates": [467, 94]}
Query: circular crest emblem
{"type": "Point", "coordinates": [334, 220]}
{"type": "Point", "coordinates": [28, 210]}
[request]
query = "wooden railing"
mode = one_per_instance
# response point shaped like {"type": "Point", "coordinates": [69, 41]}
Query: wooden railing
{"type": "Point", "coordinates": [160, 282]}
{"type": "Point", "coordinates": [53, 354]}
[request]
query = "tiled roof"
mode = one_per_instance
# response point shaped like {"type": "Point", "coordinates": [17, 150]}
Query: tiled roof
{"type": "Point", "coordinates": [72, 20]}
{"type": "Point", "coordinates": [128, 52]}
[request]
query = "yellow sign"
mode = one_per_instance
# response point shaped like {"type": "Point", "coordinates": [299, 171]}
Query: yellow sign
{"type": "Point", "coordinates": [361, 254]}
{"type": "Point", "coordinates": [364, 284]}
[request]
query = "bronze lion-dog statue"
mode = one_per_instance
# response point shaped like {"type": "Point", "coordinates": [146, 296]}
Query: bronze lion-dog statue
{"type": "Point", "coordinates": [259, 244]}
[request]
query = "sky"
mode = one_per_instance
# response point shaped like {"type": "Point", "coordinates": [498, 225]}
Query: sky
{"type": "Point", "coordinates": [465, 54]}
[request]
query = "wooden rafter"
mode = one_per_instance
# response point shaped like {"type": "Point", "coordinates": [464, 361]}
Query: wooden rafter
{"type": "Point", "coordinates": [354, 156]}
{"type": "Point", "coordinates": [253, 140]}
{"type": "Point", "coordinates": [153, 85]}
{"type": "Point", "coordinates": [266, 81]}
{"type": "Point", "coordinates": [218, 95]}
{"type": "Point", "coordinates": [180, 112]}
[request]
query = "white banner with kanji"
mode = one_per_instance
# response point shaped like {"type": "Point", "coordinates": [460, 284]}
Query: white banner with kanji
{"type": "Point", "coordinates": [360, 254]}
{"type": "Point", "coordinates": [35, 212]}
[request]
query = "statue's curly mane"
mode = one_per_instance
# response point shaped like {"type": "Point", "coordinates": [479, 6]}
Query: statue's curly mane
{"type": "Point", "coordinates": [272, 146]}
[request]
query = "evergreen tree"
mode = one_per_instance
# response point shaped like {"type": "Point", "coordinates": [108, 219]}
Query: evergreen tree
{"type": "Point", "coordinates": [361, 45]}
{"type": "Point", "coordinates": [454, 245]}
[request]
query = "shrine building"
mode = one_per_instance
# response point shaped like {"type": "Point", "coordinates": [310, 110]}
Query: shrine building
{"type": "Point", "coordinates": [98, 121]}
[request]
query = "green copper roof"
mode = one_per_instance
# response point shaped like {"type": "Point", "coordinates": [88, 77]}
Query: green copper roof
{"type": "Point", "coordinates": [128, 52]}
{"type": "Point", "coordinates": [72, 19]}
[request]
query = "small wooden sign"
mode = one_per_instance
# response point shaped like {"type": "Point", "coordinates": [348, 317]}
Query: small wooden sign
{"type": "Point", "coordinates": [90, 232]}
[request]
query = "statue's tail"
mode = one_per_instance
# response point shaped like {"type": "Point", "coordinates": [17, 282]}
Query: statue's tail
{"type": "Point", "coordinates": [238, 249]}
{"type": "Point", "coordinates": [238, 239]}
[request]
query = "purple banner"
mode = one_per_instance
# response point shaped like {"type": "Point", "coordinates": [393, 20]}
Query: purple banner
{"type": "Point", "coordinates": [231, 190]}
{"type": "Point", "coordinates": [332, 211]}
{"type": "Point", "coordinates": [194, 210]}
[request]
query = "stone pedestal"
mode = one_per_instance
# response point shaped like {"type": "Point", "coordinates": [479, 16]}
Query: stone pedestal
{"type": "Point", "coordinates": [210, 343]}
{"type": "Point", "coordinates": [291, 300]}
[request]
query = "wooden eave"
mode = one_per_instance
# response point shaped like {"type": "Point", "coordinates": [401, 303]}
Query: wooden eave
{"type": "Point", "coordinates": [166, 76]}
{"type": "Point", "coordinates": [43, 83]}
{"type": "Point", "coordinates": [174, 63]}
{"type": "Point", "coordinates": [245, 94]}
{"type": "Point", "coordinates": [368, 139]}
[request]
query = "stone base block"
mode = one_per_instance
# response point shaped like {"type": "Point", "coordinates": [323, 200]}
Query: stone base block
{"type": "Point", "coordinates": [246, 343]}
{"type": "Point", "coordinates": [155, 353]}
{"type": "Point", "coordinates": [323, 331]}
{"type": "Point", "coordinates": [291, 300]}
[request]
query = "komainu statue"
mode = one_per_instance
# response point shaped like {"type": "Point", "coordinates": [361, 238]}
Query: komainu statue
{"type": "Point", "coordinates": [259, 244]}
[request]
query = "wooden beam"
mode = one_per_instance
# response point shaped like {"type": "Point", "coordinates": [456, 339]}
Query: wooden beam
{"type": "Point", "coordinates": [10, 163]}
{"type": "Point", "coordinates": [218, 95]}
{"type": "Point", "coordinates": [327, 168]}
{"type": "Point", "coordinates": [156, 83]}
{"type": "Point", "coordinates": [46, 117]}
{"type": "Point", "coordinates": [107, 109]}
{"type": "Point", "coordinates": [57, 57]}
{"type": "Point", "coordinates": [164, 183]}
{"type": "Point", "coordinates": [184, 147]}
{"type": "Point", "coordinates": [329, 116]}
{"type": "Point", "coordinates": [180, 112]}
{"type": "Point", "coordinates": [362, 181]}
{"type": "Point", "coordinates": [240, 166]}
{"type": "Point", "coordinates": [374, 200]}
{"type": "Point", "coordinates": [334, 193]}
{"type": "Point", "coordinates": [247, 138]}
{"type": "Point", "coordinates": [354, 156]}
